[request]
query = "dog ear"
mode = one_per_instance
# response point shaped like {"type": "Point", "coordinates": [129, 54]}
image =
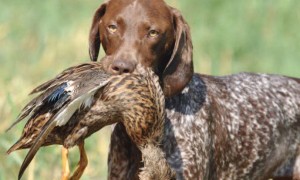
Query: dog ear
{"type": "Point", "coordinates": [179, 70]}
{"type": "Point", "coordinates": [94, 37]}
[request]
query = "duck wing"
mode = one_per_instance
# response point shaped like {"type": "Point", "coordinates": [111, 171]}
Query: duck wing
{"type": "Point", "coordinates": [74, 81]}
{"type": "Point", "coordinates": [39, 116]}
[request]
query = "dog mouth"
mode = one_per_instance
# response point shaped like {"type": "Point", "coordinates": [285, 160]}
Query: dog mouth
{"type": "Point", "coordinates": [107, 63]}
{"type": "Point", "coordinates": [123, 67]}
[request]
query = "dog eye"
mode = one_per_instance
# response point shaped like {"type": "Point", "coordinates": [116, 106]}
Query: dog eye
{"type": "Point", "coordinates": [112, 28]}
{"type": "Point", "coordinates": [153, 33]}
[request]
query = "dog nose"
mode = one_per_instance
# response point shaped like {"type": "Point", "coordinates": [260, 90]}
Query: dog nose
{"type": "Point", "coordinates": [121, 66]}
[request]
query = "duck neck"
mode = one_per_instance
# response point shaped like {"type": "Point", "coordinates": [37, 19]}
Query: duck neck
{"type": "Point", "coordinates": [147, 135]}
{"type": "Point", "coordinates": [143, 125]}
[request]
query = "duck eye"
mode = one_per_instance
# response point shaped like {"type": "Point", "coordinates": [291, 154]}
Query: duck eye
{"type": "Point", "coordinates": [112, 28]}
{"type": "Point", "coordinates": [153, 33]}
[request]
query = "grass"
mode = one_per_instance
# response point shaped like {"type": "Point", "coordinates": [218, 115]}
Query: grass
{"type": "Point", "coordinates": [38, 39]}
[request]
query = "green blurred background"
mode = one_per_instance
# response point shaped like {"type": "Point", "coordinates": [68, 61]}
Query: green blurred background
{"type": "Point", "coordinates": [38, 39]}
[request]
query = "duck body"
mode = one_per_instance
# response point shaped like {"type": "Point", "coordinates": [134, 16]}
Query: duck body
{"type": "Point", "coordinates": [82, 100]}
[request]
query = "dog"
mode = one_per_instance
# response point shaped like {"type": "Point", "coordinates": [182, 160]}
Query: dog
{"type": "Point", "coordinates": [243, 126]}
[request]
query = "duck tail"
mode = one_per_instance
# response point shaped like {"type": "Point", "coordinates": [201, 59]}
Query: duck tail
{"type": "Point", "coordinates": [15, 147]}
{"type": "Point", "coordinates": [48, 127]}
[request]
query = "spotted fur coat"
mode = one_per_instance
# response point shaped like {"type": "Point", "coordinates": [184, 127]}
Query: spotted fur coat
{"type": "Point", "coordinates": [243, 126]}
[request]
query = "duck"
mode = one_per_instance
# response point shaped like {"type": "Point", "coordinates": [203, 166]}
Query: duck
{"type": "Point", "coordinates": [82, 100]}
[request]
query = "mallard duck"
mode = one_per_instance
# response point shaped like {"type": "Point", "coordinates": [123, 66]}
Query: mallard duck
{"type": "Point", "coordinates": [83, 99]}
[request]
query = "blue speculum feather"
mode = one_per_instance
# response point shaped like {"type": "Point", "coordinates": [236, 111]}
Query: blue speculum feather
{"type": "Point", "coordinates": [62, 99]}
{"type": "Point", "coordinates": [58, 93]}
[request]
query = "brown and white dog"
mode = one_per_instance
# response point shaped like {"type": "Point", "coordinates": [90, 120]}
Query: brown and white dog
{"type": "Point", "coordinates": [243, 126]}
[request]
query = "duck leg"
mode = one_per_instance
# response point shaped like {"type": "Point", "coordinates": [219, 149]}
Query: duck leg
{"type": "Point", "coordinates": [65, 164]}
{"type": "Point", "coordinates": [81, 164]}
